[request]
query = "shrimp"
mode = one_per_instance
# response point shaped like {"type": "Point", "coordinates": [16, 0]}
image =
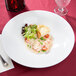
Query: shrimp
{"type": "Point", "coordinates": [37, 46]}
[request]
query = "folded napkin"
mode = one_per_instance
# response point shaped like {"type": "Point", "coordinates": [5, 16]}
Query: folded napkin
{"type": "Point", "coordinates": [4, 55]}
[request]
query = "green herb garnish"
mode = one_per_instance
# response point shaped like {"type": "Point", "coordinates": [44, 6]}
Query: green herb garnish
{"type": "Point", "coordinates": [43, 39]}
{"type": "Point", "coordinates": [43, 51]}
{"type": "Point", "coordinates": [30, 47]}
{"type": "Point", "coordinates": [40, 42]}
{"type": "Point", "coordinates": [38, 51]}
{"type": "Point", "coordinates": [27, 45]}
{"type": "Point", "coordinates": [35, 38]}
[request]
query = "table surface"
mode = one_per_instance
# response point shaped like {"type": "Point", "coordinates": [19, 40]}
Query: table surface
{"type": "Point", "coordinates": [66, 67]}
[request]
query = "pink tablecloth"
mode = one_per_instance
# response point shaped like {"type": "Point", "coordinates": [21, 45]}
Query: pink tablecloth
{"type": "Point", "coordinates": [65, 68]}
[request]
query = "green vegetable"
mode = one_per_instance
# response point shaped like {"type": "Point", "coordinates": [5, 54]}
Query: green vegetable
{"type": "Point", "coordinates": [43, 51]}
{"type": "Point", "coordinates": [34, 38]}
{"type": "Point", "coordinates": [27, 36]}
{"type": "Point", "coordinates": [34, 26]}
{"type": "Point", "coordinates": [30, 31]}
{"type": "Point", "coordinates": [43, 39]}
{"type": "Point", "coordinates": [40, 42]}
{"type": "Point", "coordinates": [39, 51]}
{"type": "Point", "coordinates": [26, 29]}
{"type": "Point", "coordinates": [33, 30]}
{"type": "Point", "coordinates": [27, 45]}
{"type": "Point", "coordinates": [31, 35]}
{"type": "Point", "coordinates": [30, 47]}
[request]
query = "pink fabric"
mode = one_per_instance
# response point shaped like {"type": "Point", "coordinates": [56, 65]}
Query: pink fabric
{"type": "Point", "coordinates": [66, 67]}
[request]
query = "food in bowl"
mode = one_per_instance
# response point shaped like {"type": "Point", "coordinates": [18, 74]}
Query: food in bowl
{"type": "Point", "coordinates": [37, 37]}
